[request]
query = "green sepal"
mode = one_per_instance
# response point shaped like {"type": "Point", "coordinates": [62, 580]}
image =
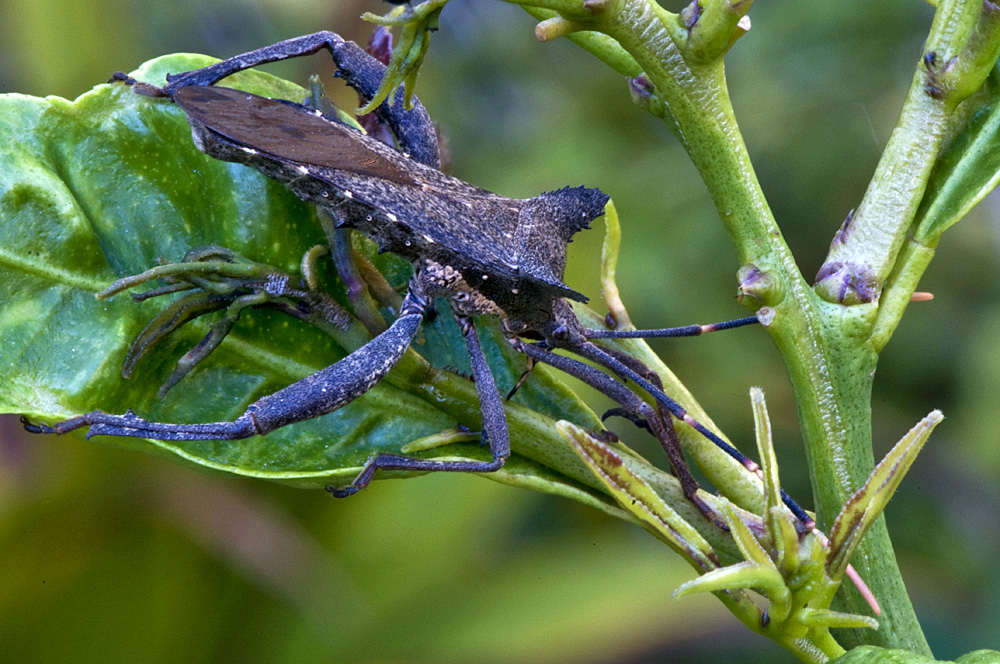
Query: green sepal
{"type": "Point", "coordinates": [416, 24]}
{"type": "Point", "coordinates": [638, 498]}
{"type": "Point", "coordinates": [834, 619]}
{"type": "Point", "coordinates": [867, 503]}
{"type": "Point", "coordinates": [745, 540]}
{"type": "Point", "coordinates": [737, 576]}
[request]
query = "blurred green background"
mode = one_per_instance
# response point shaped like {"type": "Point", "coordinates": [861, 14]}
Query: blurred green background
{"type": "Point", "coordinates": [107, 555]}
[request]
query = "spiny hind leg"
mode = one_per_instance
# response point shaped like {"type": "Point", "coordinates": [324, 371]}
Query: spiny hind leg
{"type": "Point", "coordinates": [312, 396]}
{"type": "Point", "coordinates": [495, 432]}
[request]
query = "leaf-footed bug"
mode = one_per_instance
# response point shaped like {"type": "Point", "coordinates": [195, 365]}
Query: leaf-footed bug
{"type": "Point", "coordinates": [485, 253]}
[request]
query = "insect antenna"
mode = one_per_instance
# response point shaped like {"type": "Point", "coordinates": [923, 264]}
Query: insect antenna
{"type": "Point", "coordinates": [685, 331]}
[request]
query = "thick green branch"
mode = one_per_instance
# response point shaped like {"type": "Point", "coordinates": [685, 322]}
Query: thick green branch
{"type": "Point", "coordinates": [826, 348]}
{"type": "Point", "coordinates": [960, 51]}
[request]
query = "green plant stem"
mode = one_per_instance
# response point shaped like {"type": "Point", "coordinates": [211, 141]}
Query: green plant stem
{"type": "Point", "coordinates": [826, 349]}
{"type": "Point", "coordinates": [868, 247]}
{"type": "Point", "coordinates": [832, 367]}
{"type": "Point", "coordinates": [699, 104]}
{"type": "Point", "coordinates": [703, 118]}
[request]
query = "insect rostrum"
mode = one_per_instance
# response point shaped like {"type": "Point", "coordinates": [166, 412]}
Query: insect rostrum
{"type": "Point", "coordinates": [485, 253]}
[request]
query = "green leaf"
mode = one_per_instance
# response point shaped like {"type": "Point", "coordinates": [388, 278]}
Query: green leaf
{"type": "Point", "coordinates": [104, 186]}
{"type": "Point", "coordinates": [980, 657]}
{"type": "Point", "coordinates": [874, 655]}
{"type": "Point", "coordinates": [966, 172]}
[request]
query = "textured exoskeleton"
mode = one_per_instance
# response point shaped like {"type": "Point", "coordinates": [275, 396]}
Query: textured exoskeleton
{"type": "Point", "coordinates": [485, 253]}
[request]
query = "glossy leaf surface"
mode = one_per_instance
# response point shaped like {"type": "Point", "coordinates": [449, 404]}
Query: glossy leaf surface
{"type": "Point", "coordinates": [107, 185]}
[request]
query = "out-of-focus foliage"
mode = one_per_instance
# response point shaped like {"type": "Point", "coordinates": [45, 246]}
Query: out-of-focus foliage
{"type": "Point", "coordinates": [106, 553]}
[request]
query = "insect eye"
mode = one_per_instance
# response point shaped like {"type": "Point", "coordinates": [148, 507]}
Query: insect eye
{"type": "Point", "coordinates": [561, 332]}
{"type": "Point", "coordinates": [462, 296]}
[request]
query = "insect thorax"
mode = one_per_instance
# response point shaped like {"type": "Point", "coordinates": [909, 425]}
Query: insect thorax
{"type": "Point", "coordinates": [439, 280]}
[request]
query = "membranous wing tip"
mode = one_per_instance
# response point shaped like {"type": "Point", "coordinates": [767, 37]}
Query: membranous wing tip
{"type": "Point", "coordinates": [285, 130]}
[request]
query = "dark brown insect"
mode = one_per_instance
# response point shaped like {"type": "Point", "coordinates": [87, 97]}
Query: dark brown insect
{"type": "Point", "coordinates": [486, 253]}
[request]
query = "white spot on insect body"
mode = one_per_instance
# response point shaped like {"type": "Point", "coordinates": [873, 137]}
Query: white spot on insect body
{"type": "Point", "coordinates": [275, 284]}
{"type": "Point", "coordinates": [249, 151]}
{"type": "Point", "coordinates": [393, 218]}
{"type": "Point", "coordinates": [302, 169]}
{"type": "Point", "coordinates": [428, 239]}
{"type": "Point", "coordinates": [196, 137]}
{"type": "Point", "coordinates": [347, 194]}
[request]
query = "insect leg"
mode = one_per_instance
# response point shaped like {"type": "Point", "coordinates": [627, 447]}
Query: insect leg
{"type": "Point", "coordinates": [413, 128]}
{"type": "Point", "coordinates": [598, 355]}
{"type": "Point", "coordinates": [661, 427]}
{"type": "Point", "coordinates": [597, 379]}
{"type": "Point", "coordinates": [315, 395]}
{"type": "Point", "coordinates": [283, 50]}
{"type": "Point", "coordinates": [635, 407]}
{"type": "Point", "coordinates": [628, 415]}
{"type": "Point", "coordinates": [494, 428]}
{"type": "Point", "coordinates": [490, 403]}
{"type": "Point", "coordinates": [358, 295]}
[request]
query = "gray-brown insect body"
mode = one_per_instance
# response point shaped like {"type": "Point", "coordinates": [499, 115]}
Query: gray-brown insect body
{"type": "Point", "coordinates": [509, 253]}
{"type": "Point", "coordinates": [486, 253]}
